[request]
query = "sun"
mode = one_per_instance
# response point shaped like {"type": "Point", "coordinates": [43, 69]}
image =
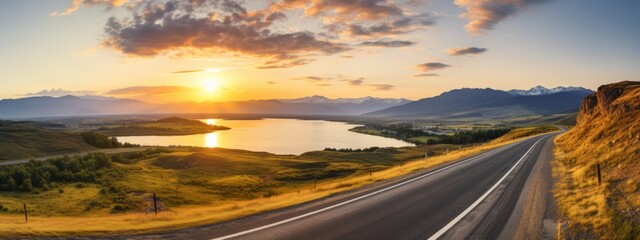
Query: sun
{"type": "Point", "coordinates": [211, 86]}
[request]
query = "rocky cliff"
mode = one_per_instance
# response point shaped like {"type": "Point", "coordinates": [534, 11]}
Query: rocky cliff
{"type": "Point", "coordinates": [607, 133]}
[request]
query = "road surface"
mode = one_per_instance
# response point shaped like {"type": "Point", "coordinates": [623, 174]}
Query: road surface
{"type": "Point", "coordinates": [473, 198]}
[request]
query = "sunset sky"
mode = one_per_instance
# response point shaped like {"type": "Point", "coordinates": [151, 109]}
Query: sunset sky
{"type": "Point", "coordinates": [222, 50]}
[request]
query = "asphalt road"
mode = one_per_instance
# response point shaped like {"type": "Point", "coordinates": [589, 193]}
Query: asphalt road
{"type": "Point", "coordinates": [471, 198]}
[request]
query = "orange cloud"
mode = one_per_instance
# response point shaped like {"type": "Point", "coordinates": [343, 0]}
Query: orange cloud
{"type": "Point", "coordinates": [485, 14]}
{"type": "Point", "coordinates": [180, 26]}
{"type": "Point", "coordinates": [151, 90]}
{"type": "Point", "coordinates": [76, 4]}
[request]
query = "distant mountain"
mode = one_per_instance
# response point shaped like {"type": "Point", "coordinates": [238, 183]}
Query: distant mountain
{"type": "Point", "coordinates": [488, 103]}
{"type": "Point", "coordinates": [540, 90]}
{"type": "Point", "coordinates": [322, 99]}
{"type": "Point", "coordinates": [313, 105]}
{"type": "Point", "coordinates": [32, 107]}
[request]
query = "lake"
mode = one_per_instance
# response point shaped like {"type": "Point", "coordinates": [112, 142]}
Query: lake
{"type": "Point", "coordinates": [281, 136]}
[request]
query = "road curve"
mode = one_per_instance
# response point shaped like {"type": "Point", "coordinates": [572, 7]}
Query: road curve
{"type": "Point", "coordinates": [470, 198]}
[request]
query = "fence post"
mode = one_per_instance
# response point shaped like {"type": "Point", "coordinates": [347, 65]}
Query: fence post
{"type": "Point", "coordinates": [155, 204]}
{"type": "Point", "coordinates": [599, 175]}
{"type": "Point", "coordinates": [26, 219]}
{"type": "Point", "coordinates": [315, 181]}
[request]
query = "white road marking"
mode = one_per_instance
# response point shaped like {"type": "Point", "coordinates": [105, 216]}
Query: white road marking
{"type": "Point", "coordinates": [358, 198]}
{"type": "Point", "coordinates": [453, 222]}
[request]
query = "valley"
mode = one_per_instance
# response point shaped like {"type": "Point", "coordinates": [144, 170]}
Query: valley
{"type": "Point", "coordinates": [190, 181]}
{"type": "Point", "coordinates": [319, 119]}
{"type": "Point", "coordinates": [207, 176]}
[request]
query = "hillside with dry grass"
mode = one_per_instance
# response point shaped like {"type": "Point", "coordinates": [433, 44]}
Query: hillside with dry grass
{"type": "Point", "coordinates": [607, 133]}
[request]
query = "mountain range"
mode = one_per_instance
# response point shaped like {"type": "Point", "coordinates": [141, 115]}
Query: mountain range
{"type": "Point", "coordinates": [458, 103]}
{"type": "Point", "coordinates": [491, 103]}
{"type": "Point", "coordinates": [33, 107]}
{"type": "Point", "coordinates": [540, 90]}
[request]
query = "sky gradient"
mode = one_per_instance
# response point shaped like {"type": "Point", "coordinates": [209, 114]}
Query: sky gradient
{"type": "Point", "coordinates": [168, 51]}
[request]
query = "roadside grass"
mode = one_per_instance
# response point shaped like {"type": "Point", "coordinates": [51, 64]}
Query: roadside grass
{"type": "Point", "coordinates": [610, 138]}
{"type": "Point", "coordinates": [525, 132]}
{"type": "Point", "coordinates": [200, 185]}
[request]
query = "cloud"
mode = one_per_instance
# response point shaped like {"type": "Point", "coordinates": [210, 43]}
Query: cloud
{"type": "Point", "coordinates": [427, 75]}
{"type": "Point", "coordinates": [226, 28]}
{"type": "Point", "coordinates": [355, 82]}
{"type": "Point", "coordinates": [485, 14]}
{"type": "Point", "coordinates": [59, 93]}
{"type": "Point", "coordinates": [190, 71]}
{"type": "Point", "coordinates": [431, 66]}
{"type": "Point", "coordinates": [187, 28]}
{"type": "Point", "coordinates": [401, 25]}
{"type": "Point", "coordinates": [359, 17]}
{"type": "Point", "coordinates": [151, 90]}
{"type": "Point", "coordinates": [383, 43]}
{"type": "Point", "coordinates": [343, 9]}
{"type": "Point", "coordinates": [313, 79]}
{"type": "Point", "coordinates": [271, 82]}
{"type": "Point", "coordinates": [201, 70]}
{"type": "Point", "coordinates": [347, 56]}
{"type": "Point", "coordinates": [381, 87]}
{"type": "Point", "coordinates": [284, 64]}
{"type": "Point", "coordinates": [76, 4]}
{"type": "Point", "coordinates": [465, 51]}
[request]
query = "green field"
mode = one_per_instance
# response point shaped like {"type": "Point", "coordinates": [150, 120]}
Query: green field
{"type": "Point", "coordinates": [21, 140]}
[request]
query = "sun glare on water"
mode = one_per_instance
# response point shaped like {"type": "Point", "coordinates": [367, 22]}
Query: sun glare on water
{"type": "Point", "coordinates": [211, 140]}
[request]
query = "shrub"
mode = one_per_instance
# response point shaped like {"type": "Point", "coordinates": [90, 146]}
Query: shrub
{"type": "Point", "coordinates": [45, 174]}
{"type": "Point", "coordinates": [99, 140]}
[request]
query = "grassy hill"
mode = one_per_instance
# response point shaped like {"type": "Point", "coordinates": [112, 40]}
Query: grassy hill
{"type": "Point", "coordinates": [19, 140]}
{"type": "Point", "coordinates": [607, 133]}
{"type": "Point", "coordinates": [165, 126]}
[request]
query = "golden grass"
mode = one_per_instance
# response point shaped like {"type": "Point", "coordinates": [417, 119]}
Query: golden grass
{"type": "Point", "coordinates": [210, 209]}
{"type": "Point", "coordinates": [606, 134]}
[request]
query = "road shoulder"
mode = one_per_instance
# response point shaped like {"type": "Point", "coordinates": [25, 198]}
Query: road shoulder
{"type": "Point", "coordinates": [535, 216]}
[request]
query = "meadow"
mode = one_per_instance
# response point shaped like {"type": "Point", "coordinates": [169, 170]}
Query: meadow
{"type": "Point", "coordinates": [21, 140]}
{"type": "Point", "coordinates": [201, 185]}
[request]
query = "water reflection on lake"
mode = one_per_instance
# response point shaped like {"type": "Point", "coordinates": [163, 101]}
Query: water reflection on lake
{"type": "Point", "coordinates": [282, 136]}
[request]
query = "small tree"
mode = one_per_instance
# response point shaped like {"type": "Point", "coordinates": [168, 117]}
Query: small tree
{"type": "Point", "coordinates": [11, 184]}
{"type": "Point", "coordinates": [27, 185]}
